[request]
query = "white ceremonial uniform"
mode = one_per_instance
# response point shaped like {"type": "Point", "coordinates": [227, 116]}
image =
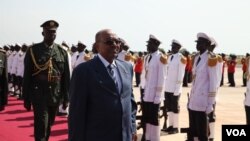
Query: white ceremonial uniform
{"type": "Point", "coordinates": [80, 59]}
{"type": "Point", "coordinates": [155, 75]}
{"type": "Point", "coordinates": [176, 64]}
{"type": "Point", "coordinates": [9, 65]}
{"type": "Point", "coordinates": [175, 74]}
{"type": "Point", "coordinates": [143, 73]}
{"type": "Point", "coordinates": [14, 63]}
{"type": "Point", "coordinates": [211, 116]}
{"type": "Point", "coordinates": [20, 64]}
{"type": "Point", "coordinates": [121, 55]}
{"type": "Point", "coordinates": [204, 86]}
{"type": "Point", "coordinates": [74, 58]}
{"type": "Point", "coordinates": [10, 60]}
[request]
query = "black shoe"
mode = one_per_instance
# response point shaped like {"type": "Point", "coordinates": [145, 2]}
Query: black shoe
{"type": "Point", "coordinates": [164, 129]}
{"type": "Point", "coordinates": [61, 114]}
{"type": "Point", "coordinates": [174, 131]}
{"type": "Point", "coordinates": [167, 129]}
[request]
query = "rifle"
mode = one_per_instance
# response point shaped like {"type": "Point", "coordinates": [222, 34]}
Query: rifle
{"type": "Point", "coordinates": [186, 129]}
{"type": "Point", "coordinates": [139, 117]}
{"type": "Point", "coordinates": [141, 123]}
{"type": "Point", "coordinates": [164, 115]}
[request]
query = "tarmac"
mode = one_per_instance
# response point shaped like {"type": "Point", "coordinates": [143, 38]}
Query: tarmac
{"type": "Point", "coordinates": [229, 108]}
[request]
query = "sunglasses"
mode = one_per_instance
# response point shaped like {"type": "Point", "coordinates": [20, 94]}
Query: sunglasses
{"type": "Point", "coordinates": [112, 42]}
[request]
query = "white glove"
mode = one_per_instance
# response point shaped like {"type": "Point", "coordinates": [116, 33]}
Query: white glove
{"type": "Point", "coordinates": [176, 93]}
{"type": "Point", "coordinates": [157, 100]}
{"type": "Point", "coordinates": [209, 109]}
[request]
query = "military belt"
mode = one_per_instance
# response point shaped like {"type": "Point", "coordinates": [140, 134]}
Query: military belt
{"type": "Point", "coordinates": [44, 78]}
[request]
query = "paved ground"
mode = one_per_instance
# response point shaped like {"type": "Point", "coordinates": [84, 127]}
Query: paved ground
{"type": "Point", "coordinates": [229, 108]}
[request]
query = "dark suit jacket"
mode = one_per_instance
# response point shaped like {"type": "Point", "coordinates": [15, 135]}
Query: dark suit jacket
{"type": "Point", "coordinates": [97, 111]}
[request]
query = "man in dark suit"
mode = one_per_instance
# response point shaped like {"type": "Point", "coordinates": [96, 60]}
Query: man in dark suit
{"type": "Point", "coordinates": [46, 80]}
{"type": "Point", "coordinates": [102, 105]}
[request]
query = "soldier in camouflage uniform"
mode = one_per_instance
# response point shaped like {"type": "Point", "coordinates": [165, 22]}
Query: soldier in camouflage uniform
{"type": "Point", "coordinates": [46, 80]}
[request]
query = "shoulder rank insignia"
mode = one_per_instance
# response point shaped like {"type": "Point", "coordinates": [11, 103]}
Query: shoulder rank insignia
{"type": "Point", "coordinates": [219, 58]}
{"type": "Point", "coordinates": [183, 60]}
{"type": "Point", "coordinates": [128, 57]}
{"type": "Point", "coordinates": [164, 59]}
{"type": "Point", "coordinates": [212, 59]}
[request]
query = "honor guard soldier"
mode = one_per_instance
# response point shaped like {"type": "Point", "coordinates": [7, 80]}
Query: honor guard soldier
{"type": "Point", "coordinates": [204, 87]}
{"type": "Point", "coordinates": [124, 54]}
{"type": "Point", "coordinates": [46, 80]}
{"type": "Point", "coordinates": [20, 70]}
{"type": "Point", "coordinates": [82, 56]}
{"type": "Point", "coordinates": [3, 79]}
{"type": "Point", "coordinates": [14, 69]}
{"type": "Point", "coordinates": [247, 98]}
{"type": "Point", "coordinates": [219, 65]}
{"type": "Point", "coordinates": [154, 87]}
{"type": "Point", "coordinates": [10, 62]}
{"type": "Point", "coordinates": [173, 86]}
{"type": "Point", "coordinates": [74, 54]}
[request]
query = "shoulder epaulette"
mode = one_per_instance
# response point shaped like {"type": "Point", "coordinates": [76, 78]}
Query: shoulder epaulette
{"type": "Point", "coordinates": [219, 58]}
{"type": "Point", "coordinates": [212, 59]}
{"type": "Point", "coordinates": [164, 59]}
{"type": "Point", "coordinates": [87, 57]}
{"type": "Point", "coordinates": [2, 50]}
{"type": "Point", "coordinates": [63, 47]}
{"type": "Point", "coordinates": [128, 57]}
{"type": "Point", "coordinates": [183, 60]}
{"type": "Point", "coordinates": [134, 58]}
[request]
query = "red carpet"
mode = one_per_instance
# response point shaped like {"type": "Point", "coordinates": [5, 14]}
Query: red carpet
{"type": "Point", "coordinates": [16, 124]}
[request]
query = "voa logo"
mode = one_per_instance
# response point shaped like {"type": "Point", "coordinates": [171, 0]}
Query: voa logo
{"type": "Point", "coordinates": [236, 132]}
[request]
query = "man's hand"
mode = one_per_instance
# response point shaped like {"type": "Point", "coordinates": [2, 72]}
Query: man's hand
{"type": "Point", "coordinates": [65, 105]}
{"type": "Point", "coordinates": [209, 109]}
{"type": "Point", "coordinates": [27, 105]}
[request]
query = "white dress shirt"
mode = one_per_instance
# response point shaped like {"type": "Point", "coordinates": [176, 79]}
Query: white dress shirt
{"type": "Point", "coordinates": [117, 76]}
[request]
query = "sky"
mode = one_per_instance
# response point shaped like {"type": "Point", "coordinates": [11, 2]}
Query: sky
{"type": "Point", "coordinates": [227, 21]}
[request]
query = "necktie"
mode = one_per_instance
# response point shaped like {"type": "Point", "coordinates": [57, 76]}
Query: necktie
{"type": "Point", "coordinates": [77, 57]}
{"type": "Point", "coordinates": [171, 58]}
{"type": "Point", "coordinates": [199, 59]}
{"type": "Point", "coordinates": [150, 57]}
{"type": "Point", "coordinates": [112, 74]}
